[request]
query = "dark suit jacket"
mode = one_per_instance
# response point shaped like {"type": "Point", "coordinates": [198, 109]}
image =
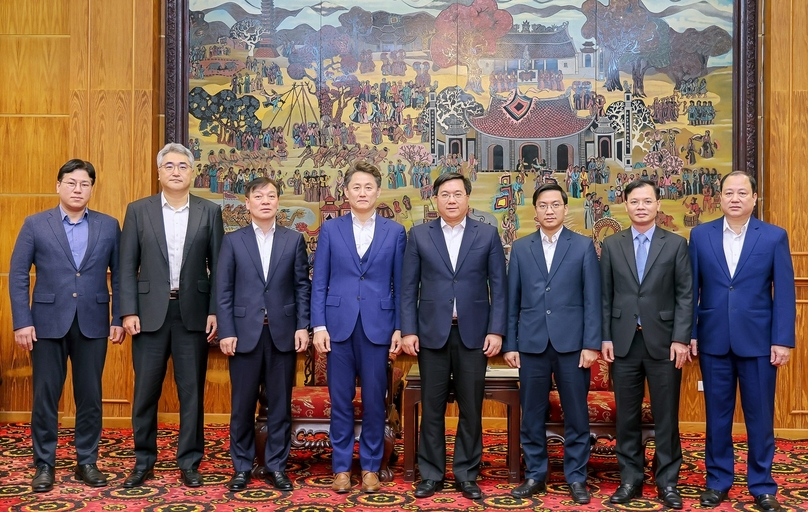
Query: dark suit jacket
{"type": "Point", "coordinates": [664, 300]}
{"type": "Point", "coordinates": [145, 278]}
{"type": "Point", "coordinates": [562, 306]}
{"type": "Point", "coordinates": [754, 309]}
{"type": "Point", "coordinates": [342, 288]}
{"type": "Point", "coordinates": [429, 285]}
{"type": "Point", "coordinates": [245, 295]}
{"type": "Point", "coordinates": [63, 290]}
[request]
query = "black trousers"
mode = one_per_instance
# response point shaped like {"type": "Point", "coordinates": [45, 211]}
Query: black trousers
{"type": "Point", "coordinates": [49, 365]}
{"type": "Point", "coordinates": [464, 367]}
{"type": "Point", "coordinates": [150, 353]}
{"type": "Point", "coordinates": [664, 382]}
{"type": "Point", "coordinates": [278, 372]}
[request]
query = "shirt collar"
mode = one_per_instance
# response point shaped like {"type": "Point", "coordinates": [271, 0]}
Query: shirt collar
{"type": "Point", "coordinates": [553, 239]}
{"type": "Point", "coordinates": [164, 202]}
{"type": "Point", "coordinates": [370, 222]}
{"type": "Point", "coordinates": [63, 215]}
{"type": "Point", "coordinates": [649, 234]}
{"type": "Point", "coordinates": [743, 228]}
{"type": "Point", "coordinates": [260, 232]}
{"type": "Point", "coordinates": [462, 224]}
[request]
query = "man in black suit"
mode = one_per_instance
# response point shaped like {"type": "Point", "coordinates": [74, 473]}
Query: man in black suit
{"type": "Point", "coordinates": [72, 247]}
{"type": "Point", "coordinates": [647, 289]}
{"type": "Point", "coordinates": [263, 292]}
{"type": "Point", "coordinates": [169, 250]}
{"type": "Point", "coordinates": [453, 316]}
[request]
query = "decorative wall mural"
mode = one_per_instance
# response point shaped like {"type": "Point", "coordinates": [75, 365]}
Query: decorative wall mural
{"type": "Point", "coordinates": [590, 94]}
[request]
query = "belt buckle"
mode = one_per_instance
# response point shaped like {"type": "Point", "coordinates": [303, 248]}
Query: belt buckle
{"type": "Point", "coordinates": [173, 294]}
{"type": "Point", "coordinates": [639, 328]}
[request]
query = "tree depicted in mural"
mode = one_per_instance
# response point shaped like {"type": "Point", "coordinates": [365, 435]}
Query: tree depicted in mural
{"type": "Point", "coordinates": [325, 52]}
{"type": "Point", "coordinates": [414, 154]}
{"type": "Point", "coordinates": [359, 24]}
{"type": "Point", "coordinates": [342, 92]}
{"type": "Point", "coordinates": [465, 34]}
{"type": "Point", "coordinates": [224, 114]}
{"type": "Point", "coordinates": [452, 107]}
{"type": "Point", "coordinates": [249, 32]}
{"type": "Point", "coordinates": [691, 49]}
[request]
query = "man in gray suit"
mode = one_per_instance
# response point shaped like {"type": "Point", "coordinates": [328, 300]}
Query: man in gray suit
{"type": "Point", "coordinates": [72, 247]}
{"type": "Point", "coordinates": [553, 333]}
{"type": "Point", "coordinates": [647, 290]}
{"type": "Point", "coordinates": [169, 250]}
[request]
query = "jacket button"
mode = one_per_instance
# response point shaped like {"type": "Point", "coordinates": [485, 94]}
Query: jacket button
{"type": "Point", "coordinates": [362, 278]}
{"type": "Point", "coordinates": [78, 274]}
{"type": "Point", "coordinates": [75, 295]}
{"type": "Point", "coordinates": [547, 289]}
{"type": "Point", "coordinates": [454, 281]}
{"type": "Point", "coordinates": [359, 298]}
{"type": "Point", "coordinates": [731, 288]}
{"type": "Point", "coordinates": [548, 311]}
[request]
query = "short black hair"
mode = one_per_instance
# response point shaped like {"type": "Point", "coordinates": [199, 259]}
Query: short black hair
{"type": "Point", "coordinates": [365, 167]}
{"type": "Point", "coordinates": [548, 187]}
{"type": "Point", "coordinates": [260, 182]}
{"type": "Point", "coordinates": [76, 164]}
{"type": "Point", "coordinates": [641, 183]}
{"type": "Point", "coordinates": [449, 176]}
{"type": "Point", "coordinates": [752, 180]}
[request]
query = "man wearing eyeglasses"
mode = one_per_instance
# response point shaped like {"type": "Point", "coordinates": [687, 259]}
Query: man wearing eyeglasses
{"type": "Point", "coordinates": [553, 333]}
{"type": "Point", "coordinates": [453, 316]}
{"type": "Point", "coordinates": [647, 315]}
{"type": "Point", "coordinates": [169, 252]}
{"type": "Point", "coordinates": [72, 248]}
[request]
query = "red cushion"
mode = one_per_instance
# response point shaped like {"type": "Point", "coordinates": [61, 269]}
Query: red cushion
{"type": "Point", "coordinates": [602, 408]}
{"type": "Point", "coordinates": [599, 378]}
{"type": "Point", "coordinates": [313, 402]}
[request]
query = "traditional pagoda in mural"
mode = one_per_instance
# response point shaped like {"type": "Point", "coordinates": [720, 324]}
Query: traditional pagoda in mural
{"type": "Point", "coordinates": [265, 49]}
{"type": "Point", "coordinates": [534, 47]}
{"type": "Point", "coordinates": [537, 130]}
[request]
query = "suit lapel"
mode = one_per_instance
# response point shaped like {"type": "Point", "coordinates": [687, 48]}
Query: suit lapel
{"type": "Point", "coordinates": [59, 231]}
{"type": "Point", "coordinates": [717, 242]}
{"type": "Point", "coordinates": [345, 225]}
{"type": "Point", "coordinates": [752, 236]}
{"type": "Point", "coordinates": [93, 231]}
{"type": "Point", "coordinates": [155, 213]}
{"type": "Point", "coordinates": [657, 243]}
{"type": "Point", "coordinates": [380, 231]}
{"type": "Point", "coordinates": [250, 243]}
{"type": "Point", "coordinates": [537, 249]}
{"type": "Point", "coordinates": [562, 246]}
{"type": "Point", "coordinates": [278, 246]}
{"type": "Point", "coordinates": [469, 234]}
{"type": "Point", "coordinates": [627, 244]}
{"type": "Point", "coordinates": [194, 220]}
{"type": "Point", "coordinates": [436, 233]}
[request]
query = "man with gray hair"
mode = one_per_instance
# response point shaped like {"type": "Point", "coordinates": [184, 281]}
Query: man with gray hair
{"type": "Point", "coordinates": [169, 251]}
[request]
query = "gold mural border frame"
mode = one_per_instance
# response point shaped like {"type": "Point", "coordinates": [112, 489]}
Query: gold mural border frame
{"type": "Point", "coordinates": [745, 57]}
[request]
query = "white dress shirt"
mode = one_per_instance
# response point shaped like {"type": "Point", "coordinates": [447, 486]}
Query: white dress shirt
{"type": "Point", "coordinates": [733, 244]}
{"type": "Point", "coordinates": [549, 244]}
{"type": "Point", "coordinates": [264, 246]}
{"type": "Point", "coordinates": [453, 237]}
{"type": "Point", "coordinates": [175, 222]}
{"type": "Point", "coordinates": [363, 233]}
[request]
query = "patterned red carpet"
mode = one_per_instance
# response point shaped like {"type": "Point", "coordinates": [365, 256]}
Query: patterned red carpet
{"type": "Point", "coordinates": [311, 473]}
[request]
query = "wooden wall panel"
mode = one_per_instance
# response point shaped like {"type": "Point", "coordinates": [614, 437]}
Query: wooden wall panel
{"type": "Point", "coordinates": [34, 17]}
{"type": "Point", "coordinates": [33, 78]}
{"type": "Point", "coordinates": [112, 44]}
{"type": "Point", "coordinates": [29, 137]}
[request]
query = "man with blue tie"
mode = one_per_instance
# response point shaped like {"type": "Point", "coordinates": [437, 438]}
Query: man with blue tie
{"type": "Point", "coordinates": [553, 333]}
{"type": "Point", "coordinates": [355, 315]}
{"type": "Point", "coordinates": [263, 293]}
{"type": "Point", "coordinates": [72, 248]}
{"type": "Point", "coordinates": [745, 315]}
{"type": "Point", "coordinates": [453, 316]}
{"type": "Point", "coordinates": [647, 315]}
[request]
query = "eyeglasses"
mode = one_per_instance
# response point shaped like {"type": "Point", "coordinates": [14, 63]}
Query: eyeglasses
{"type": "Point", "coordinates": [637, 202]}
{"type": "Point", "coordinates": [742, 194]}
{"type": "Point", "coordinates": [72, 184]}
{"type": "Point", "coordinates": [552, 206]}
{"type": "Point", "coordinates": [170, 167]}
{"type": "Point", "coordinates": [457, 196]}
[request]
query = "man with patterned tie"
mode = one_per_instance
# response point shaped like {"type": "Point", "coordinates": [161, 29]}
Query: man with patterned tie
{"type": "Point", "coordinates": [647, 301]}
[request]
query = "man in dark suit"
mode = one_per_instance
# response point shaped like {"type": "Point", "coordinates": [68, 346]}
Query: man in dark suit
{"type": "Point", "coordinates": [355, 315]}
{"type": "Point", "coordinates": [647, 290]}
{"type": "Point", "coordinates": [554, 330]}
{"type": "Point", "coordinates": [745, 315]}
{"type": "Point", "coordinates": [453, 316]}
{"type": "Point", "coordinates": [72, 247]}
{"type": "Point", "coordinates": [169, 250]}
{"type": "Point", "coordinates": [263, 293]}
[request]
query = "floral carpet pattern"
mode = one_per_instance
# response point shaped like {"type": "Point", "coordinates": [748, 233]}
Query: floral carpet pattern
{"type": "Point", "coordinates": [311, 473]}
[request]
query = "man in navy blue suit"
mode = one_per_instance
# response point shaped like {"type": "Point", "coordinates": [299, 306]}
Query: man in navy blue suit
{"type": "Point", "coordinates": [355, 315]}
{"type": "Point", "coordinates": [453, 316]}
{"type": "Point", "coordinates": [263, 293]}
{"type": "Point", "coordinates": [72, 248]}
{"type": "Point", "coordinates": [745, 314]}
{"type": "Point", "coordinates": [554, 330]}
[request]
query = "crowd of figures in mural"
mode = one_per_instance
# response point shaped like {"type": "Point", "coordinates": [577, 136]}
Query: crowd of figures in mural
{"type": "Point", "coordinates": [589, 94]}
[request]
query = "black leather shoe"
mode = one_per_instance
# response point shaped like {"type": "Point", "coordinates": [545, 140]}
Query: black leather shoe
{"type": "Point", "coordinates": [712, 498]}
{"type": "Point", "coordinates": [469, 490]}
{"type": "Point", "coordinates": [626, 493]}
{"type": "Point", "coordinates": [279, 481]}
{"type": "Point", "coordinates": [191, 478]}
{"type": "Point", "coordinates": [528, 488]}
{"type": "Point", "coordinates": [767, 502]}
{"type": "Point", "coordinates": [427, 488]}
{"type": "Point", "coordinates": [579, 493]}
{"type": "Point", "coordinates": [239, 481]}
{"type": "Point", "coordinates": [670, 497]}
{"type": "Point", "coordinates": [43, 478]}
{"type": "Point", "coordinates": [138, 477]}
{"type": "Point", "coordinates": [90, 475]}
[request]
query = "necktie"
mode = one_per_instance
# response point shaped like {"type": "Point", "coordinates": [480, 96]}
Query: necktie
{"type": "Point", "coordinates": [642, 255]}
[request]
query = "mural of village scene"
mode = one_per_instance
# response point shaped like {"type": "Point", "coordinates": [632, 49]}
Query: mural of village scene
{"type": "Point", "coordinates": [589, 94]}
